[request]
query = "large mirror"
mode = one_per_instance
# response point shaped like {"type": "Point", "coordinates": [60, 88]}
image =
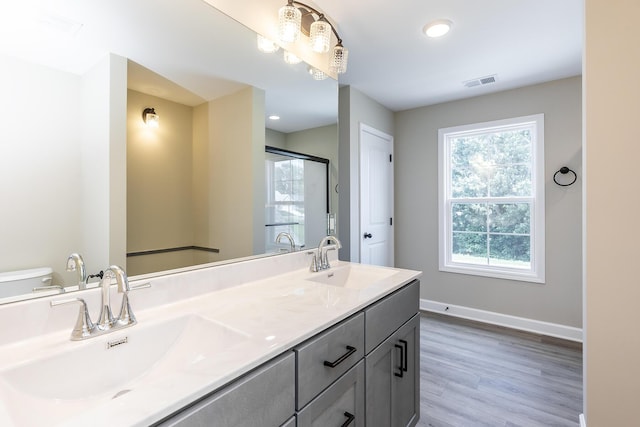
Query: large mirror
{"type": "Point", "coordinates": [82, 172]}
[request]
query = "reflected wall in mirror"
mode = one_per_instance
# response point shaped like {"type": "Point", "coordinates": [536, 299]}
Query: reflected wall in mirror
{"type": "Point", "coordinates": [194, 184]}
{"type": "Point", "coordinates": [68, 177]}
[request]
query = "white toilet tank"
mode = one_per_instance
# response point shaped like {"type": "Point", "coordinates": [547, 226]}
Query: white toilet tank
{"type": "Point", "coordinates": [21, 282]}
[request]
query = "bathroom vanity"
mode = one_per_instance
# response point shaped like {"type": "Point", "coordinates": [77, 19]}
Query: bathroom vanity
{"type": "Point", "coordinates": [262, 342]}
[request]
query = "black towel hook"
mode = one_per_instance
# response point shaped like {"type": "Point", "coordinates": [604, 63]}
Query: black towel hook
{"type": "Point", "coordinates": [564, 170]}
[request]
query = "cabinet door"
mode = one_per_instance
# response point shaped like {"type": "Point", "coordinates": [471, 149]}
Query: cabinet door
{"type": "Point", "coordinates": [406, 389]}
{"type": "Point", "coordinates": [265, 397]}
{"type": "Point", "coordinates": [342, 404]}
{"type": "Point", "coordinates": [393, 378]}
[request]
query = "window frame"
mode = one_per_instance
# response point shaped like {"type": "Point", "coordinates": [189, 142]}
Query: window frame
{"type": "Point", "coordinates": [536, 273]}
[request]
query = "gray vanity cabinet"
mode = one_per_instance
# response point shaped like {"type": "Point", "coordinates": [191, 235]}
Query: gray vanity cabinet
{"type": "Point", "coordinates": [362, 371]}
{"type": "Point", "coordinates": [393, 378]}
{"type": "Point", "coordinates": [264, 397]}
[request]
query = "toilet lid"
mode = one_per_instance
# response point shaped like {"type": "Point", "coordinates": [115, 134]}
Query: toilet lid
{"type": "Point", "coordinates": [10, 276]}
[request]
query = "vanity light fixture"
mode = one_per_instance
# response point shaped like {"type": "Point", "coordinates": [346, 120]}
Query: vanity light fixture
{"type": "Point", "coordinates": [267, 46]}
{"type": "Point", "coordinates": [297, 17]}
{"type": "Point", "coordinates": [290, 58]}
{"type": "Point", "coordinates": [151, 119]}
{"type": "Point", "coordinates": [437, 28]}
{"type": "Point", "coordinates": [317, 74]}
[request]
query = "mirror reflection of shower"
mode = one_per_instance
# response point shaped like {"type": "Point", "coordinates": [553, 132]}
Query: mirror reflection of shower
{"type": "Point", "coordinates": [296, 199]}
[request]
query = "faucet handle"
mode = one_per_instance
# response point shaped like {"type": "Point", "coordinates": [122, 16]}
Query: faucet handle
{"type": "Point", "coordinates": [314, 268]}
{"type": "Point", "coordinates": [325, 261]}
{"type": "Point", "coordinates": [84, 327]}
{"type": "Point", "coordinates": [126, 317]}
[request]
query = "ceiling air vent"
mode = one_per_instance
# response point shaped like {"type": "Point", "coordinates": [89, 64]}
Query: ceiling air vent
{"type": "Point", "coordinates": [480, 81]}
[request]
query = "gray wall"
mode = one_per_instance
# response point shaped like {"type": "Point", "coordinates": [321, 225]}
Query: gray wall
{"type": "Point", "coordinates": [354, 108]}
{"type": "Point", "coordinates": [559, 300]}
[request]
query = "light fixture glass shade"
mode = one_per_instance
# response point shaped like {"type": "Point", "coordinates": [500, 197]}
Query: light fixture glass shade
{"type": "Point", "coordinates": [267, 46]}
{"type": "Point", "coordinates": [289, 19]}
{"type": "Point", "coordinates": [339, 57]}
{"type": "Point", "coordinates": [320, 36]}
{"type": "Point", "coordinates": [290, 58]}
{"type": "Point", "coordinates": [317, 74]}
{"type": "Point", "coordinates": [151, 119]}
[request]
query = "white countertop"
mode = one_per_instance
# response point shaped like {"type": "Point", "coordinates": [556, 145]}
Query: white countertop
{"type": "Point", "coordinates": [262, 319]}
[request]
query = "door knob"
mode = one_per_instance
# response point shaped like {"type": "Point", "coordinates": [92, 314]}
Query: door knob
{"type": "Point", "coordinates": [367, 235]}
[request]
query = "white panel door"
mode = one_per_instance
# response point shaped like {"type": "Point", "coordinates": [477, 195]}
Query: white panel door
{"type": "Point", "coordinates": [376, 197]}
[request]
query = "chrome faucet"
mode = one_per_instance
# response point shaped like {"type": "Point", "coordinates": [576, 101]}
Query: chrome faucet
{"type": "Point", "coordinates": [105, 318]}
{"type": "Point", "coordinates": [320, 260]}
{"type": "Point", "coordinates": [84, 327]}
{"type": "Point", "coordinates": [292, 243]}
{"type": "Point", "coordinates": [76, 263]}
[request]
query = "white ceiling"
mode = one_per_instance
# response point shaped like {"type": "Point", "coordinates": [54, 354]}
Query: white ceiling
{"type": "Point", "coordinates": [523, 42]}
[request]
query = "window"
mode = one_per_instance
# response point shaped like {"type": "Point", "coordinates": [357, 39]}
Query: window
{"type": "Point", "coordinates": [285, 198]}
{"type": "Point", "coordinates": [491, 199]}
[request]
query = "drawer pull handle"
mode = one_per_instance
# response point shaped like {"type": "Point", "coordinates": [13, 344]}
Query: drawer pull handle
{"type": "Point", "coordinates": [350, 351]}
{"type": "Point", "coordinates": [350, 418]}
{"type": "Point", "coordinates": [401, 373]}
{"type": "Point", "coordinates": [406, 355]}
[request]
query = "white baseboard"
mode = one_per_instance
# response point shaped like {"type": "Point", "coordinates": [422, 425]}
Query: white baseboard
{"type": "Point", "coordinates": [530, 325]}
{"type": "Point", "coordinates": [583, 422]}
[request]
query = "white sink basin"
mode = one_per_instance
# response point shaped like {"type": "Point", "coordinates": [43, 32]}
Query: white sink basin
{"type": "Point", "coordinates": [47, 390]}
{"type": "Point", "coordinates": [354, 276]}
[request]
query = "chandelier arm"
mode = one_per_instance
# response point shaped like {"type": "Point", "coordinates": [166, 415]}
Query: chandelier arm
{"type": "Point", "coordinates": [321, 16]}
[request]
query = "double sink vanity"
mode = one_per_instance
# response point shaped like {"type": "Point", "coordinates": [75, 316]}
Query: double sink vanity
{"type": "Point", "coordinates": [262, 342]}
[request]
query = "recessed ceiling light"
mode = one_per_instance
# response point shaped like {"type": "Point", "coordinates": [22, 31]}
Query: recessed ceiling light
{"type": "Point", "coordinates": [437, 28]}
{"type": "Point", "coordinates": [274, 117]}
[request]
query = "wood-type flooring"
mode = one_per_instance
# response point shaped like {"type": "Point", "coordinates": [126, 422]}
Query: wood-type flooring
{"type": "Point", "coordinates": [474, 374]}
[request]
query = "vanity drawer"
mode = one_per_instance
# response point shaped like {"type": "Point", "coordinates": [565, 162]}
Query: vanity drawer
{"type": "Point", "coordinates": [387, 315]}
{"type": "Point", "coordinates": [262, 398]}
{"type": "Point", "coordinates": [344, 401]}
{"type": "Point", "coordinates": [324, 358]}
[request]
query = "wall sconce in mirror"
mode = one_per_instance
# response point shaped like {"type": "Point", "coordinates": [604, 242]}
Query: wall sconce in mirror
{"type": "Point", "coordinates": [151, 119]}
